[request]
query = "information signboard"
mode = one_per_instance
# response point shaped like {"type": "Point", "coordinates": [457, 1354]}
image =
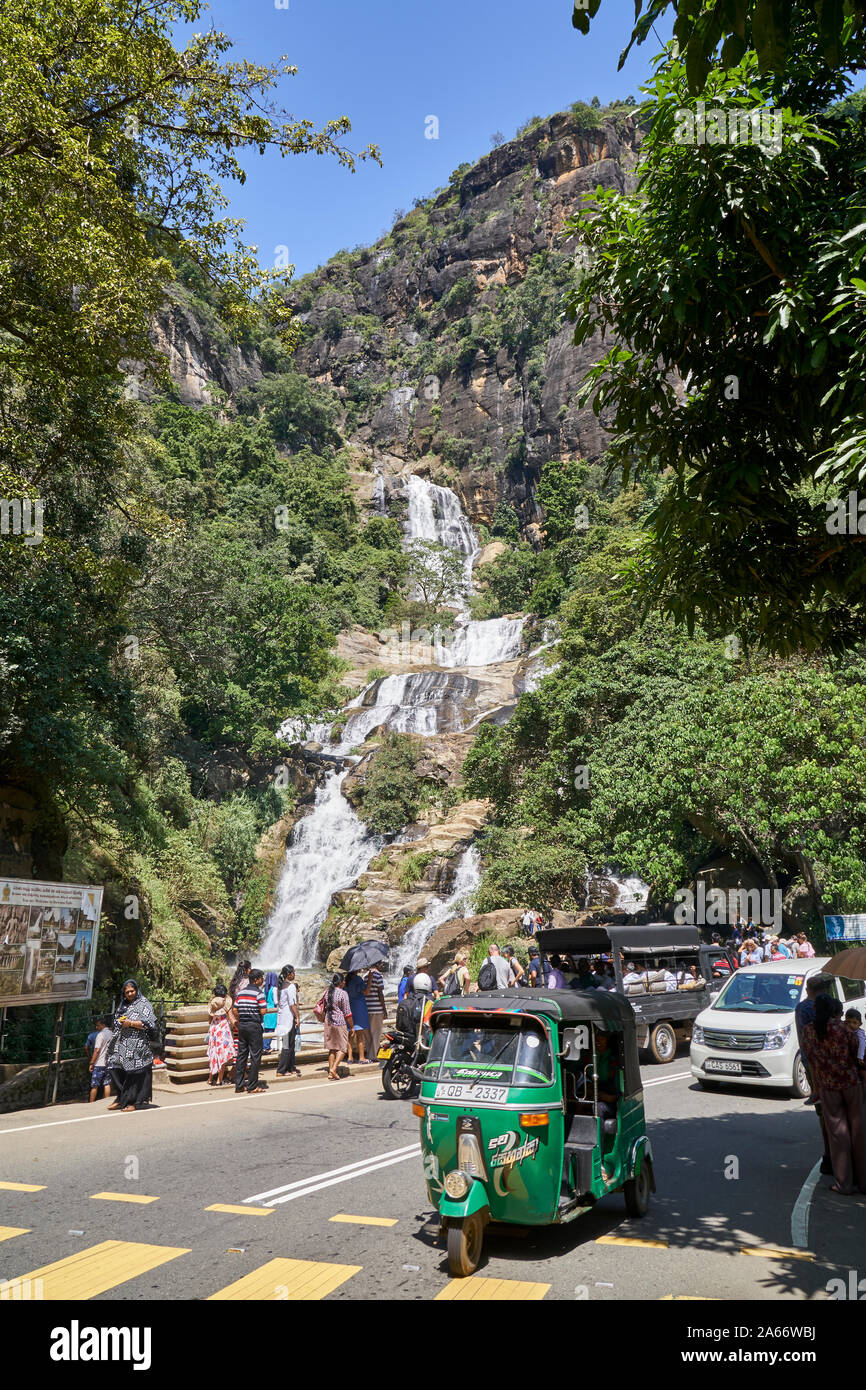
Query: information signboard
{"type": "Point", "coordinates": [48, 934]}
{"type": "Point", "coordinates": [848, 928]}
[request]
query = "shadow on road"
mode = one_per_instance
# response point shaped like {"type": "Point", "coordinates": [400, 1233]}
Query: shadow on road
{"type": "Point", "coordinates": [724, 1182]}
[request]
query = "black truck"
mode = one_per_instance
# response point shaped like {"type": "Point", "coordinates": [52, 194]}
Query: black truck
{"type": "Point", "coordinates": [664, 1011]}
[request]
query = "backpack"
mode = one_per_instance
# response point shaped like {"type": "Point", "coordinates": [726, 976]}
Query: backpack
{"type": "Point", "coordinates": [487, 975]}
{"type": "Point", "coordinates": [409, 1012]}
{"type": "Point", "coordinates": [452, 984]}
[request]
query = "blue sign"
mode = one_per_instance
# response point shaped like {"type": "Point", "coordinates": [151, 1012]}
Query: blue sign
{"type": "Point", "coordinates": [848, 928]}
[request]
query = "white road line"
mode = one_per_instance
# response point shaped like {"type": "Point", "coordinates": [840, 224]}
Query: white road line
{"type": "Point", "coordinates": [226, 1100]}
{"type": "Point", "coordinates": [183, 1105]}
{"type": "Point", "coordinates": [800, 1214]}
{"type": "Point", "coordinates": [332, 1173]}
{"type": "Point", "coordinates": [346, 1177]}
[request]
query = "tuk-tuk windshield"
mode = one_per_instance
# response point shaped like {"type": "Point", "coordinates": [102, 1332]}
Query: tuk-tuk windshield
{"type": "Point", "coordinates": [514, 1053]}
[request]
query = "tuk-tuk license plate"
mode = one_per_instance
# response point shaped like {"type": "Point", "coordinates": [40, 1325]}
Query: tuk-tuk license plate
{"type": "Point", "coordinates": [454, 1092]}
{"type": "Point", "coordinates": [712, 1064]}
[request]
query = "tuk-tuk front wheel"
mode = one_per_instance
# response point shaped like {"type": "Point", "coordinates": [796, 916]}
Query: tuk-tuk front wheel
{"type": "Point", "coordinates": [465, 1239]}
{"type": "Point", "coordinates": [637, 1191]}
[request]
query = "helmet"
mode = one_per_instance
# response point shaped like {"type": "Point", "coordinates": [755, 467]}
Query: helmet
{"type": "Point", "coordinates": [422, 984]}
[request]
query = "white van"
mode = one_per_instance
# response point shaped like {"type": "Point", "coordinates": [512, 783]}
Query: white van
{"type": "Point", "coordinates": [748, 1037]}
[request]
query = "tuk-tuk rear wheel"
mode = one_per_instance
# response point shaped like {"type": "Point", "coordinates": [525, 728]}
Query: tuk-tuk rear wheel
{"type": "Point", "coordinates": [465, 1239]}
{"type": "Point", "coordinates": [637, 1191]}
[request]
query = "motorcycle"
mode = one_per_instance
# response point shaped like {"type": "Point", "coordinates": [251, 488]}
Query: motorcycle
{"type": "Point", "coordinates": [401, 1055]}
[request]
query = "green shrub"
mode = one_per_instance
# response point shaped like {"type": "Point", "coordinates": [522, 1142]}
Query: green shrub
{"type": "Point", "coordinates": [411, 869]}
{"type": "Point", "coordinates": [389, 797]}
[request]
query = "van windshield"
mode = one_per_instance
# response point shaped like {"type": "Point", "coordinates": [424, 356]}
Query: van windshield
{"type": "Point", "coordinates": [749, 991]}
{"type": "Point", "coordinates": [518, 1056]}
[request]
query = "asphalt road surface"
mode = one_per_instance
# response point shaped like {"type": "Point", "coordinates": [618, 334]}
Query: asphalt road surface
{"type": "Point", "coordinates": [314, 1190]}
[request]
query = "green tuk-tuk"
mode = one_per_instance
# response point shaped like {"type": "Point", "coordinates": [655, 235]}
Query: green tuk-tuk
{"type": "Point", "coordinates": [531, 1109]}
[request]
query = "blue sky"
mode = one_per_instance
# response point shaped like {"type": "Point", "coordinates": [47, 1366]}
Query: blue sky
{"type": "Point", "coordinates": [477, 65]}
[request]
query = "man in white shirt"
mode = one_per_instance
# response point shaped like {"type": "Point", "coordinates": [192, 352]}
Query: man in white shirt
{"type": "Point", "coordinates": [501, 966]}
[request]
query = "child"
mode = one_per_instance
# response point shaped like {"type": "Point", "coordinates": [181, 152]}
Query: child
{"type": "Point", "coordinates": [99, 1073]}
{"type": "Point", "coordinates": [854, 1021]}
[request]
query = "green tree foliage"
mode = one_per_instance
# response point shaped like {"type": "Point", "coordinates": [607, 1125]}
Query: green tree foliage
{"type": "Point", "coordinates": [161, 612]}
{"type": "Point", "coordinates": [437, 573]}
{"type": "Point", "coordinates": [731, 290]}
{"type": "Point", "coordinates": [390, 796]}
{"type": "Point", "coordinates": [773, 30]}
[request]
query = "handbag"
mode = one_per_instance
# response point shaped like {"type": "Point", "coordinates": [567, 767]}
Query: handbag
{"type": "Point", "coordinates": [319, 1009]}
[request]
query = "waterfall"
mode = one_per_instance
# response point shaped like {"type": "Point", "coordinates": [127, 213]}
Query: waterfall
{"type": "Point", "coordinates": [330, 848]}
{"type": "Point", "coordinates": [435, 514]}
{"type": "Point", "coordinates": [378, 498]}
{"type": "Point", "coordinates": [439, 911]}
{"type": "Point", "coordinates": [607, 889]}
{"type": "Point", "coordinates": [419, 702]}
{"type": "Point", "coordinates": [483, 643]}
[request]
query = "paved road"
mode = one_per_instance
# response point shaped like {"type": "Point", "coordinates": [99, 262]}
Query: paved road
{"type": "Point", "coordinates": [730, 1170]}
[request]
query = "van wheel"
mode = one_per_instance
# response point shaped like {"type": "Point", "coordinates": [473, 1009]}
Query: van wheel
{"type": "Point", "coordinates": [637, 1191]}
{"type": "Point", "coordinates": [663, 1043]}
{"type": "Point", "coordinates": [464, 1245]}
{"type": "Point", "coordinates": [801, 1090]}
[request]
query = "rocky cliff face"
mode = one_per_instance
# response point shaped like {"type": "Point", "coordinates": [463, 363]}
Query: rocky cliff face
{"type": "Point", "coordinates": [445, 340]}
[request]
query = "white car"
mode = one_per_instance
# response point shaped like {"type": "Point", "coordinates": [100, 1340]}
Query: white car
{"type": "Point", "coordinates": [748, 1036]}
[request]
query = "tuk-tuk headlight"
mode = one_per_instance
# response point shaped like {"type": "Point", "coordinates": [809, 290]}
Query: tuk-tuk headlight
{"type": "Point", "coordinates": [457, 1184]}
{"type": "Point", "coordinates": [776, 1038]}
{"type": "Point", "coordinates": [469, 1156]}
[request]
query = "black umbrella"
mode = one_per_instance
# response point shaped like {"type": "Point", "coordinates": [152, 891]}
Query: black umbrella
{"type": "Point", "coordinates": [366, 953]}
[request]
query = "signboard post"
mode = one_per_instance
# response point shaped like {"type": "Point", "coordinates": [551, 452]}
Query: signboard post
{"type": "Point", "coordinates": [48, 936]}
{"type": "Point", "coordinates": [847, 928]}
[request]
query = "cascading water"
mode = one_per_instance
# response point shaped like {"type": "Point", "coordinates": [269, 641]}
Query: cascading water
{"type": "Point", "coordinates": [330, 848]}
{"type": "Point", "coordinates": [420, 702]}
{"type": "Point", "coordinates": [435, 514]}
{"type": "Point", "coordinates": [482, 643]}
{"type": "Point", "coordinates": [439, 911]}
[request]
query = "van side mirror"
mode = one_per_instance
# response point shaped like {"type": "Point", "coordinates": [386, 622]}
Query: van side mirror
{"type": "Point", "coordinates": [576, 1042]}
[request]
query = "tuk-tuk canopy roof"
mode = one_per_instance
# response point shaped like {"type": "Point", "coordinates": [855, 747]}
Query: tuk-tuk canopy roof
{"type": "Point", "coordinates": [588, 941]}
{"type": "Point", "coordinates": [609, 1011]}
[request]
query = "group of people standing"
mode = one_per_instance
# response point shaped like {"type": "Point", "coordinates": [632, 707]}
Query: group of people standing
{"type": "Point", "coordinates": [239, 1017]}
{"type": "Point", "coordinates": [754, 946]}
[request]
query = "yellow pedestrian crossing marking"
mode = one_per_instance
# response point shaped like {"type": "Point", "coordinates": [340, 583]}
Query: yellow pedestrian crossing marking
{"type": "Point", "coordinates": [771, 1252]}
{"type": "Point", "coordinates": [100, 1268]}
{"type": "Point", "coordinates": [365, 1220]}
{"type": "Point", "coordinates": [488, 1290]}
{"type": "Point", "coordinates": [293, 1280]}
{"type": "Point", "coordinates": [241, 1211]}
{"type": "Point", "coordinates": [631, 1240]}
{"type": "Point", "coordinates": [122, 1197]}
{"type": "Point", "coordinates": [7, 1232]}
{"type": "Point", "coordinates": [22, 1186]}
